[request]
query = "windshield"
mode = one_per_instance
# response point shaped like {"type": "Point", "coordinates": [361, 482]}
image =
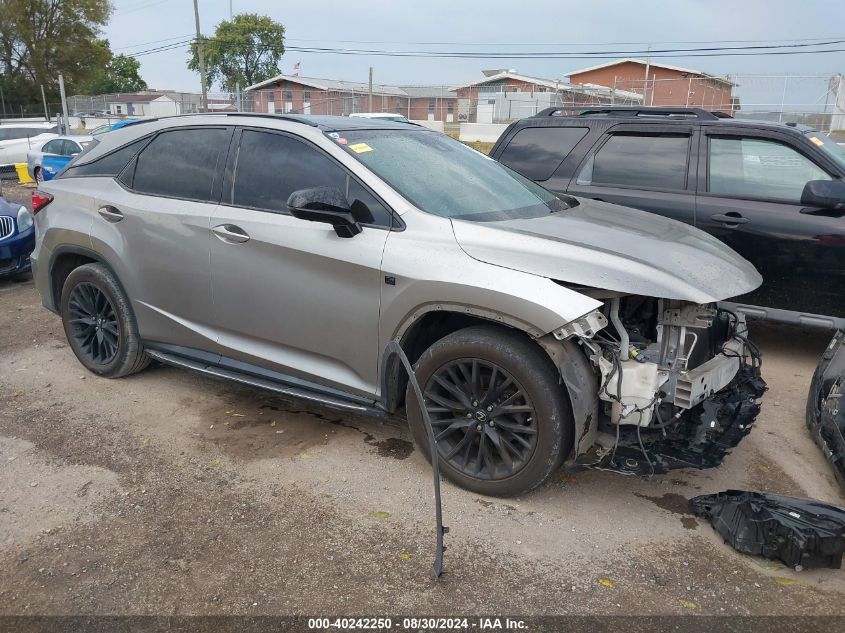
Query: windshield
{"type": "Point", "coordinates": [828, 146]}
{"type": "Point", "coordinates": [444, 177]}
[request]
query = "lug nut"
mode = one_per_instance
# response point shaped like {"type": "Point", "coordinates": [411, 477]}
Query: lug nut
{"type": "Point", "coordinates": [478, 428]}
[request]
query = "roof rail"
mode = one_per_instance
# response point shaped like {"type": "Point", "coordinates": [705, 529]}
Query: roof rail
{"type": "Point", "coordinates": [634, 111]}
{"type": "Point", "coordinates": [296, 118]}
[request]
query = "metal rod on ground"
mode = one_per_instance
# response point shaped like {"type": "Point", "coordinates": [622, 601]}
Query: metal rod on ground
{"type": "Point", "coordinates": [394, 348]}
{"type": "Point", "coordinates": [370, 106]}
{"type": "Point", "coordinates": [65, 120]}
{"type": "Point", "coordinates": [44, 99]}
{"type": "Point", "coordinates": [201, 58]}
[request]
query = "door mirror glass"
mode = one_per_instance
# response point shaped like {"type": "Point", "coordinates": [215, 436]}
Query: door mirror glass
{"type": "Point", "coordinates": [824, 194]}
{"type": "Point", "coordinates": [324, 204]}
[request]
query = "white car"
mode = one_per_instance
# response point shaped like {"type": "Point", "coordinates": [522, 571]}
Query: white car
{"type": "Point", "coordinates": [16, 139]}
{"type": "Point", "coordinates": [381, 116]}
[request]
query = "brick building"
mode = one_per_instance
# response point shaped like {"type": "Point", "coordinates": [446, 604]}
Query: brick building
{"type": "Point", "coordinates": [661, 84]}
{"type": "Point", "coordinates": [309, 95]}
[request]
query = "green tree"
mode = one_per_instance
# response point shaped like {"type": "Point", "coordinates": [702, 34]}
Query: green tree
{"type": "Point", "coordinates": [41, 38]}
{"type": "Point", "coordinates": [242, 52]}
{"type": "Point", "coordinates": [120, 74]}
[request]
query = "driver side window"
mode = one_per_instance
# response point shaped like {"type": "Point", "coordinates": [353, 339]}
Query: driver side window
{"type": "Point", "coordinates": [271, 166]}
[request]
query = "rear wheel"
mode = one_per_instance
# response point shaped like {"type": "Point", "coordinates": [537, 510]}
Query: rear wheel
{"type": "Point", "coordinates": [99, 323]}
{"type": "Point", "coordinates": [497, 408]}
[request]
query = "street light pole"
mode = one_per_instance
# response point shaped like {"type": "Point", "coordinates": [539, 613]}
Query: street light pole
{"type": "Point", "coordinates": [201, 56]}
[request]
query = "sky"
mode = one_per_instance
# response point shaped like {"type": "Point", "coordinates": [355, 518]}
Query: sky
{"type": "Point", "coordinates": [495, 25]}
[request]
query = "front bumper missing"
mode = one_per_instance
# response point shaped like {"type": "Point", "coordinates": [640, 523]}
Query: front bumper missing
{"type": "Point", "coordinates": [701, 438]}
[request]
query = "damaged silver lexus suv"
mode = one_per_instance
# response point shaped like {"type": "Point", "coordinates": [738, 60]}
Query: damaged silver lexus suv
{"type": "Point", "coordinates": [287, 252]}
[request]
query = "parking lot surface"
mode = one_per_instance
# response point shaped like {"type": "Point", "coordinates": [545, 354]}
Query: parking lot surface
{"type": "Point", "coordinates": [172, 493]}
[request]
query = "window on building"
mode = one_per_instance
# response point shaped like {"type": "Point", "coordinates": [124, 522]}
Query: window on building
{"type": "Point", "coordinates": [181, 163]}
{"type": "Point", "coordinates": [450, 107]}
{"type": "Point", "coordinates": [288, 93]}
{"type": "Point", "coordinates": [272, 166]}
{"type": "Point", "coordinates": [536, 152]}
{"type": "Point", "coordinates": [759, 168]}
{"type": "Point", "coordinates": [118, 109]}
{"type": "Point", "coordinates": [431, 104]}
{"type": "Point", "coordinates": [648, 161]}
{"type": "Point", "coordinates": [306, 95]}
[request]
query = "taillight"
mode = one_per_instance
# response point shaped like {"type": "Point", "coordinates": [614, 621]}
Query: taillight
{"type": "Point", "coordinates": [40, 200]}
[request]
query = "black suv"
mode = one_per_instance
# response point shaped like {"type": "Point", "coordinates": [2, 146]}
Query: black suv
{"type": "Point", "coordinates": [773, 192]}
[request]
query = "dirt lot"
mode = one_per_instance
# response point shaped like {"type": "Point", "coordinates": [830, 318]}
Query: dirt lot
{"type": "Point", "coordinates": [170, 493]}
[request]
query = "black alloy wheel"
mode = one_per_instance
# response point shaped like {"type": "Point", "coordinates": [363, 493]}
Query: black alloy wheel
{"type": "Point", "coordinates": [483, 420]}
{"type": "Point", "coordinates": [93, 323]}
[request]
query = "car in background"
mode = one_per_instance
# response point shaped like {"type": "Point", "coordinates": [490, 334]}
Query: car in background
{"type": "Point", "coordinates": [773, 192]}
{"type": "Point", "coordinates": [47, 161]}
{"type": "Point", "coordinates": [16, 139]}
{"type": "Point", "coordinates": [381, 116]}
{"type": "Point", "coordinates": [17, 238]}
{"type": "Point", "coordinates": [109, 127]}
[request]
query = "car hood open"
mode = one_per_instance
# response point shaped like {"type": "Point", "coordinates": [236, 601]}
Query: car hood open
{"type": "Point", "coordinates": [616, 248]}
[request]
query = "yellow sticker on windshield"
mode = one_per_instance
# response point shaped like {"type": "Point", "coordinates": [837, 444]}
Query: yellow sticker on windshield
{"type": "Point", "coordinates": [816, 140]}
{"type": "Point", "coordinates": [360, 148]}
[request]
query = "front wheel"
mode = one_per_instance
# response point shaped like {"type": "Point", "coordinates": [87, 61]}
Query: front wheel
{"type": "Point", "coordinates": [499, 413]}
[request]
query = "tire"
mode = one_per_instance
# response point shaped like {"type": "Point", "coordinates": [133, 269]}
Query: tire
{"type": "Point", "coordinates": [538, 410]}
{"type": "Point", "coordinates": [99, 323]}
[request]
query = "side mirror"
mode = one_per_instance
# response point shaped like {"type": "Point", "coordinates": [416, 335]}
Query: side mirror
{"type": "Point", "coordinates": [823, 195]}
{"type": "Point", "coordinates": [324, 204]}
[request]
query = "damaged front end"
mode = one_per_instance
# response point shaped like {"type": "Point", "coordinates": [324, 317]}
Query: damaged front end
{"type": "Point", "coordinates": [825, 409]}
{"type": "Point", "coordinates": [678, 384]}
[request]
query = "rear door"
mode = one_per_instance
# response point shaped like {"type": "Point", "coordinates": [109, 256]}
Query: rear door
{"type": "Point", "coordinates": [750, 198]}
{"type": "Point", "coordinates": [290, 295]}
{"type": "Point", "coordinates": [648, 167]}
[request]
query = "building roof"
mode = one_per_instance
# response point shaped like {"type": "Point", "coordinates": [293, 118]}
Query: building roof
{"type": "Point", "coordinates": [643, 62]}
{"type": "Point", "coordinates": [330, 84]}
{"type": "Point", "coordinates": [431, 92]}
{"type": "Point", "coordinates": [141, 97]}
{"type": "Point", "coordinates": [511, 74]}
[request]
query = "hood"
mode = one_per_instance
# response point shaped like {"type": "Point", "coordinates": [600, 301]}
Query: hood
{"type": "Point", "coordinates": [611, 247]}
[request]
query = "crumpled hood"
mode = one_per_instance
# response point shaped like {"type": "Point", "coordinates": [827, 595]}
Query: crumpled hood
{"type": "Point", "coordinates": [612, 247]}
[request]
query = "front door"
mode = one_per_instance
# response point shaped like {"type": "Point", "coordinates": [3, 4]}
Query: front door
{"type": "Point", "coordinates": [290, 295]}
{"type": "Point", "coordinates": [750, 198]}
{"type": "Point", "coordinates": [646, 167]}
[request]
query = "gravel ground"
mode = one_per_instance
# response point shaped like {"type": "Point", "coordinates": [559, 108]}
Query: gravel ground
{"type": "Point", "coordinates": [170, 493]}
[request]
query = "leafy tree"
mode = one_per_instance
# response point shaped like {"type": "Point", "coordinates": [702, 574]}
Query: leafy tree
{"type": "Point", "coordinates": [245, 50]}
{"type": "Point", "coordinates": [120, 74]}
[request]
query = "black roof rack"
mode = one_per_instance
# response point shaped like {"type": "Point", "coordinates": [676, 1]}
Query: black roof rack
{"type": "Point", "coordinates": [286, 117]}
{"type": "Point", "coordinates": [636, 111]}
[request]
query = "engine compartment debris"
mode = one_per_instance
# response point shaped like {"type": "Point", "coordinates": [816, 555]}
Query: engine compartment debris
{"type": "Point", "coordinates": [825, 409]}
{"type": "Point", "coordinates": [802, 533]}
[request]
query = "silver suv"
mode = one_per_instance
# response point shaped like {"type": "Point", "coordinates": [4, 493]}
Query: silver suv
{"type": "Point", "coordinates": [286, 252]}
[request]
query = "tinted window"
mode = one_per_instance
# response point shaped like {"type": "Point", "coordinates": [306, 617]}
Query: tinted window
{"type": "Point", "coordinates": [759, 168]}
{"type": "Point", "coordinates": [110, 164]}
{"type": "Point", "coordinates": [536, 152]}
{"type": "Point", "coordinates": [642, 161]}
{"type": "Point", "coordinates": [181, 163]}
{"type": "Point", "coordinates": [272, 166]}
{"type": "Point", "coordinates": [53, 147]}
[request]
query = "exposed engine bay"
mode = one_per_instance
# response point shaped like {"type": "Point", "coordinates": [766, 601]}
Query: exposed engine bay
{"type": "Point", "coordinates": [678, 383]}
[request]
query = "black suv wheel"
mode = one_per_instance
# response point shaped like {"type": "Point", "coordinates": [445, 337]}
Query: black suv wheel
{"type": "Point", "coordinates": [99, 323]}
{"type": "Point", "coordinates": [498, 410]}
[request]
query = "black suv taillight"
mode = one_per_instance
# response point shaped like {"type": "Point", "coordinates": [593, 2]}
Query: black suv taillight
{"type": "Point", "coordinates": [40, 200]}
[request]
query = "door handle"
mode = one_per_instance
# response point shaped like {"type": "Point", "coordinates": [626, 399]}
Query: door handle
{"type": "Point", "coordinates": [730, 218]}
{"type": "Point", "coordinates": [230, 233]}
{"type": "Point", "coordinates": [110, 213]}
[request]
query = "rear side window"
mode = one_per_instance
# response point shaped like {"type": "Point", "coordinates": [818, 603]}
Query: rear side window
{"type": "Point", "coordinates": [110, 164]}
{"type": "Point", "coordinates": [272, 166]}
{"type": "Point", "coordinates": [181, 163]}
{"type": "Point", "coordinates": [654, 161]}
{"type": "Point", "coordinates": [536, 152]}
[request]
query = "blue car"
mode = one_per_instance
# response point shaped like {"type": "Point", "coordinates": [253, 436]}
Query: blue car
{"type": "Point", "coordinates": [17, 238]}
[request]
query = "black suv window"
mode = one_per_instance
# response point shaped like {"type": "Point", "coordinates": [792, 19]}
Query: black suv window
{"type": "Point", "coordinates": [181, 163]}
{"type": "Point", "coordinates": [759, 168]}
{"type": "Point", "coordinates": [644, 161]}
{"type": "Point", "coordinates": [536, 152]}
{"type": "Point", "coordinates": [272, 166]}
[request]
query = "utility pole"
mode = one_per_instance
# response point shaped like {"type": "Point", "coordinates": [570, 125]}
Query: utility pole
{"type": "Point", "coordinates": [44, 99]}
{"type": "Point", "coordinates": [645, 81]}
{"type": "Point", "coordinates": [237, 83]}
{"type": "Point", "coordinates": [65, 121]}
{"type": "Point", "coordinates": [370, 107]}
{"type": "Point", "coordinates": [201, 56]}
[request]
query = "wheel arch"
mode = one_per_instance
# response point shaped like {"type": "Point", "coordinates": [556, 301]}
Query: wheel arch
{"type": "Point", "coordinates": [64, 260]}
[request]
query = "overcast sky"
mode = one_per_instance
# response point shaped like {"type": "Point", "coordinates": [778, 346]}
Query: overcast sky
{"type": "Point", "coordinates": [492, 25]}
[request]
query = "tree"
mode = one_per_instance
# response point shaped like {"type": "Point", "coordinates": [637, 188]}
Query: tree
{"type": "Point", "coordinates": [243, 51]}
{"type": "Point", "coordinates": [41, 38]}
{"type": "Point", "coordinates": [120, 74]}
